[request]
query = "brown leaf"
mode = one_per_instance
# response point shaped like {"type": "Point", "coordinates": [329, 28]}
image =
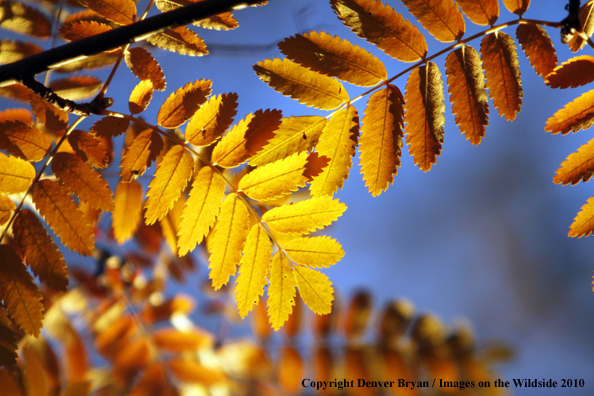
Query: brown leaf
{"type": "Point", "coordinates": [424, 117]}
{"type": "Point", "coordinates": [61, 213]}
{"type": "Point", "coordinates": [24, 141]}
{"type": "Point", "coordinates": [8, 354]}
{"type": "Point", "coordinates": [500, 61]}
{"type": "Point", "coordinates": [576, 115]}
{"type": "Point", "coordinates": [481, 12]}
{"type": "Point", "coordinates": [181, 40]}
{"type": "Point", "coordinates": [441, 18]}
{"type": "Point", "coordinates": [110, 127]}
{"type": "Point", "coordinates": [82, 29]}
{"type": "Point", "coordinates": [14, 50]}
{"type": "Point", "coordinates": [574, 73]}
{"type": "Point", "coordinates": [49, 115]}
{"type": "Point", "coordinates": [20, 294]}
{"type": "Point", "coordinates": [140, 97]}
{"type": "Point", "coordinates": [224, 21]}
{"type": "Point", "coordinates": [6, 208]}
{"type": "Point", "coordinates": [40, 251]}
{"type": "Point", "coordinates": [538, 47]}
{"type": "Point", "coordinates": [181, 105]}
{"type": "Point", "coordinates": [467, 92]}
{"type": "Point", "coordinates": [143, 150]}
{"type": "Point", "coordinates": [16, 175]}
{"type": "Point", "coordinates": [517, 6]}
{"type": "Point", "coordinates": [579, 166]}
{"type": "Point", "coordinates": [145, 67]}
{"type": "Point", "coordinates": [21, 18]}
{"type": "Point", "coordinates": [88, 148]}
{"type": "Point", "coordinates": [122, 12]}
{"type": "Point", "coordinates": [212, 119]}
{"type": "Point", "coordinates": [76, 87]}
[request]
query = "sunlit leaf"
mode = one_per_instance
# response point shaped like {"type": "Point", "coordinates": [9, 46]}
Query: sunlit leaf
{"type": "Point", "coordinates": [14, 50]}
{"type": "Point", "coordinates": [574, 73]}
{"type": "Point", "coordinates": [224, 21]}
{"type": "Point", "coordinates": [181, 40]}
{"type": "Point", "coordinates": [7, 206]}
{"type": "Point", "coordinates": [145, 67]}
{"type": "Point", "coordinates": [579, 166]}
{"type": "Point", "coordinates": [583, 224]}
{"type": "Point", "coordinates": [281, 291]}
{"type": "Point", "coordinates": [140, 97]}
{"type": "Point", "coordinates": [23, 140]}
{"type": "Point", "coordinates": [8, 354]}
{"type": "Point", "coordinates": [128, 210]}
{"type": "Point", "coordinates": [212, 119]}
{"type": "Point", "coordinates": [315, 252]}
{"type": "Point", "coordinates": [481, 12]}
{"type": "Point", "coordinates": [82, 29]}
{"type": "Point", "coordinates": [576, 115]}
{"type": "Point", "coordinates": [173, 340]}
{"type": "Point", "coordinates": [183, 103]}
{"type": "Point", "coordinates": [16, 175]}
{"type": "Point", "coordinates": [21, 18]}
{"type": "Point", "coordinates": [49, 115]}
{"type": "Point", "coordinates": [315, 289]}
{"type": "Point", "coordinates": [122, 12]}
{"type": "Point", "coordinates": [143, 150]}
{"type": "Point", "coordinates": [517, 6]}
{"type": "Point", "coordinates": [538, 47]}
{"type": "Point", "coordinates": [110, 126]}
{"type": "Point", "coordinates": [441, 18]}
{"type": "Point", "coordinates": [193, 372]}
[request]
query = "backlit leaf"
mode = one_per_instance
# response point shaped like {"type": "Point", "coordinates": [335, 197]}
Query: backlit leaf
{"type": "Point", "coordinates": [441, 18]}
{"type": "Point", "coordinates": [170, 179]}
{"type": "Point", "coordinates": [381, 139]}
{"type": "Point", "coordinates": [49, 115]}
{"type": "Point", "coordinates": [61, 213]}
{"type": "Point", "coordinates": [82, 181]}
{"type": "Point", "coordinates": [576, 115]}
{"type": "Point", "coordinates": [181, 40]}
{"type": "Point", "coordinates": [202, 208]}
{"type": "Point", "coordinates": [583, 224]}
{"type": "Point", "coordinates": [22, 115]}
{"type": "Point", "coordinates": [224, 21]}
{"type": "Point", "coordinates": [6, 208]}
{"type": "Point", "coordinates": [20, 294]}
{"type": "Point", "coordinates": [110, 126]}
{"type": "Point", "coordinates": [88, 148]}
{"type": "Point", "coordinates": [230, 234]}
{"type": "Point", "coordinates": [424, 115]}
{"type": "Point", "coordinates": [538, 47]}
{"type": "Point", "coordinates": [143, 150]}
{"type": "Point", "coordinates": [193, 372]}
{"type": "Point", "coordinates": [300, 83]}
{"type": "Point", "coordinates": [481, 12]}
{"type": "Point", "coordinates": [8, 354]}
{"type": "Point", "coordinates": [315, 289]}
{"type": "Point", "coordinates": [84, 15]}
{"type": "Point", "coordinates": [145, 67]}
{"type": "Point", "coordinates": [466, 86]}
{"type": "Point", "coordinates": [500, 61]}
{"type": "Point", "coordinates": [122, 12]}
{"type": "Point", "coordinates": [173, 340]}
{"type": "Point", "coordinates": [21, 18]}
{"type": "Point", "coordinates": [334, 57]}
{"type": "Point", "coordinates": [579, 166]}
{"type": "Point", "coordinates": [574, 73]}
{"type": "Point", "coordinates": [316, 252]}
{"type": "Point", "coordinates": [140, 97]}
{"type": "Point", "coordinates": [305, 216]}
{"type": "Point", "coordinates": [128, 210]}
{"type": "Point", "coordinates": [76, 87]}
{"type": "Point", "coordinates": [82, 29]}
{"type": "Point", "coordinates": [40, 251]}
{"type": "Point", "coordinates": [281, 291]}
{"type": "Point", "coordinates": [517, 6]}
{"type": "Point", "coordinates": [170, 223]}
{"type": "Point", "coordinates": [24, 141]}
{"type": "Point", "coordinates": [14, 50]}
{"type": "Point", "coordinates": [383, 26]}
{"type": "Point", "coordinates": [17, 92]}
{"type": "Point", "coordinates": [90, 62]}
{"type": "Point", "coordinates": [337, 142]}
{"type": "Point", "coordinates": [212, 119]}
{"type": "Point", "coordinates": [183, 103]}
{"type": "Point", "coordinates": [16, 175]}
{"type": "Point", "coordinates": [253, 270]}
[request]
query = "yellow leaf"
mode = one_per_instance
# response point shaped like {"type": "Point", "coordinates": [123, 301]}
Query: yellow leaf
{"type": "Point", "coordinates": [110, 126]}
{"type": "Point", "coordinates": [170, 223]}
{"type": "Point", "coordinates": [230, 233]}
{"type": "Point", "coordinates": [424, 115]}
{"type": "Point", "coordinates": [337, 142]}
{"type": "Point", "coordinates": [183, 103]}
{"type": "Point", "coordinates": [583, 224]}
{"type": "Point", "coordinates": [481, 12]}
{"type": "Point", "coordinates": [122, 12]}
{"type": "Point", "coordinates": [517, 6]}
{"type": "Point", "coordinates": [6, 208]}
{"type": "Point", "coordinates": [24, 141]}
{"type": "Point", "coordinates": [16, 175]}
{"type": "Point", "coordinates": [128, 210]}
{"type": "Point", "coordinates": [383, 26]}
{"type": "Point", "coordinates": [88, 148]}
{"type": "Point", "coordinates": [212, 119]}
{"type": "Point", "coordinates": [61, 213]}
{"type": "Point", "coordinates": [140, 97]}
{"type": "Point", "coordinates": [20, 294]}
{"type": "Point", "coordinates": [381, 139]}
{"type": "Point", "coordinates": [253, 270]}
{"type": "Point", "coordinates": [8, 355]}
{"type": "Point", "coordinates": [281, 291]}
{"type": "Point", "coordinates": [76, 87]}
{"type": "Point", "coordinates": [334, 57]}
{"type": "Point", "coordinates": [40, 251]}
{"type": "Point", "coordinates": [80, 179]}
{"type": "Point", "coordinates": [188, 371]}
{"type": "Point", "coordinates": [579, 166]}
{"type": "Point", "coordinates": [316, 252]}
{"type": "Point", "coordinates": [538, 47]}
{"type": "Point", "coordinates": [315, 289]}
{"type": "Point", "coordinates": [223, 21]}
{"type": "Point", "coordinates": [246, 138]}
{"type": "Point", "coordinates": [467, 92]}
{"type": "Point", "coordinates": [170, 179]}
{"type": "Point", "coordinates": [201, 210]}
{"type": "Point", "coordinates": [576, 115]}
{"type": "Point", "coordinates": [181, 40]}
{"type": "Point", "coordinates": [143, 150]}
{"type": "Point", "coordinates": [23, 19]}
{"type": "Point", "coordinates": [145, 67]}
{"type": "Point", "coordinates": [305, 216]}
{"type": "Point", "coordinates": [574, 73]}
{"type": "Point", "coordinates": [441, 18]}
{"type": "Point", "coordinates": [300, 83]}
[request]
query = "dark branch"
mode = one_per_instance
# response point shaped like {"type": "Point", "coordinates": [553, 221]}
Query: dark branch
{"type": "Point", "coordinates": [571, 24]}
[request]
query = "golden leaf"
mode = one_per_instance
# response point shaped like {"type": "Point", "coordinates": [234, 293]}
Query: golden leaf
{"type": "Point", "coordinates": [576, 115]}
{"type": "Point", "coordinates": [6, 208]}
{"type": "Point", "coordinates": [383, 26]}
{"type": "Point", "coordinates": [16, 175]}
{"type": "Point", "coordinates": [294, 135]}
{"type": "Point", "coordinates": [290, 370]}
{"type": "Point", "coordinates": [80, 179]}
{"type": "Point", "coordinates": [140, 97]}
{"type": "Point", "coordinates": [173, 340]}
{"type": "Point", "coordinates": [90, 62]}
{"type": "Point", "coordinates": [170, 179]}
{"type": "Point", "coordinates": [212, 119]}
{"type": "Point", "coordinates": [441, 18]}
{"type": "Point", "coordinates": [574, 73]}
{"type": "Point", "coordinates": [88, 148]}
{"type": "Point", "coordinates": [194, 372]}
{"type": "Point", "coordinates": [500, 61]}
{"type": "Point", "coordinates": [305, 216]}
{"type": "Point", "coordinates": [579, 166]}
{"type": "Point", "coordinates": [76, 87]}
{"type": "Point", "coordinates": [14, 50]}
{"type": "Point", "coordinates": [253, 270]}
{"type": "Point", "coordinates": [481, 12]}
{"type": "Point", "coordinates": [246, 138]}
{"type": "Point", "coordinates": [40, 251]}
{"type": "Point", "coordinates": [224, 21]}
{"type": "Point", "coordinates": [316, 252]}
{"type": "Point", "coordinates": [381, 139]}
{"type": "Point", "coordinates": [583, 224]}
{"type": "Point", "coordinates": [230, 233]}
{"type": "Point", "coordinates": [24, 141]}
{"type": "Point", "coordinates": [300, 83]}
{"type": "Point", "coordinates": [23, 19]}
{"type": "Point", "coordinates": [467, 92]}
{"type": "Point", "coordinates": [49, 115]}
{"type": "Point", "coordinates": [61, 213]}
{"type": "Point", "coordinates": [20, 294]}
{"type": "Point", "coordinates": [202, 208]}
{"type": "Point", "coordinates": [82, 29]}
{"type": "Point", "coordinates": [170, 223]}
{"type": "Point", "coordinates": [143, 150]}
{"type": "Point", "coordinates": [22, 115]}
{"type": "Point", "coordinates": [334, 57]}
{"type": "Point", "coordinates": [281, 291]}
{"type": "Point", "coordinates": [122, 12]}
{"type": "Point", "coordinates": [8, 354]}
{"type": "Point", "coordinates": [337, 142]}
{"type": "Point", "coordinates": [538, 47]}
{"type": "Point", "coordinates": [315, 289]}
{"type": "Point", "coordinates": [145, 67]}
{"type": "Point", "coordinates": [110, 127]}
{"type": "Point", "coordinates": [128, 210]}
{"type": "Point", "coordinates": [517, 6]}
{"type": "Point", "coordinates": [181, 40]}
{"type": "Point", "coordinates": [183, 103]}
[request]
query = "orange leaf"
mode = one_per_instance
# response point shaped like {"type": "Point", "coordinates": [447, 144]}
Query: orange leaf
{"type": "Point", "coordinates": [171, 177]}
{"type": "Point", "coordinates": [49, 115]}
{"type": "Point", "coordinates": [110, 127]}
{"type": "Point", "coordinates": [140, 97]}
{"type": "Point", "coordinates": [85, 15]}
{"type": "Point", "coordinates": [22, 115]}
{"type": "Point", "coordinates": [130, 359]}
{"type": "Point", "coordinates": [441, 18]}
{"type": "Point", "coordinates": [183, 103]}
{"type": "Point", "coordinates": [82, 29]}
{"type": "Point", "coordinates": [424, 115]}
{"type": "Point", "coordinates": [576, 115]}
{"type": "Point", "coordinates": [481, 12]}
{"type": "Point", "coordinates": [40, 251]}
{"type": "Point", "coordinates": [122, 12]}
{"type": "Point", "coordinates": [500, 61]}
{"type": "Point", "coordinates": [23, 19]}
{"type": "Point", "coordinates": [381, 25]}
{"type": "Point", "coordinates": [8, 348]}
{"type": "Point", "coordinates": [6, 208]}
{"type": "Point", "coordinates": [20, 294]}
{"type": "Point", "coordinates": [517, 6]}
{"type": "Point", "coordinates": [128, 210]}
{"type": "Point", "coordinates": [583, 224]}
{"type": "Point", "coordinates": [574, 73]}
{"type": "Point", "coordinates": [143, 150]}
{"type": "Point", "coordinates": [145, 67]}
{"type": "Point", "coordinates": [224, 21]}
{"type": "Point", "coordinates": [579, 166]}
{"type": "Point", "coordinates": [14, 50]}
{"type": "Point", "coordinates": [467, 92]}
{"type": "Point", "coordinates": [61, 213]}
{"type": "Point", "coordinates": [212, 119]}
{"type": "Point", "coordinates": [16, 175]}
{"type": "Point", "coordinates": [24, 141]}
{"type": "Point", "coordinates": [173, 340]}
{"type": "Point", "coordinates": [16, 92]}
{"type": "Point", "coordinates": [88, 148]}
{"type": "Point", "coordinates": [290, 370]}
{"type": "Point", "coordinates": [381, 139]}
{"type": "Point", "coordinates": [190, 371]}
{"type": "Point", "coordinates": [538, 47]}
{"type": "Point", "coordinates": [76, 87]}
{"type": "Point", "coordinates": [181, 40]}
{"type": "Point", "coordinates": [90, 62]}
